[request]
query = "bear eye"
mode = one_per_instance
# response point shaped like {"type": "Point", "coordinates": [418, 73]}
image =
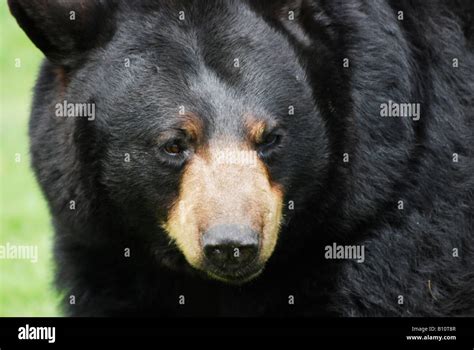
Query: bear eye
{"type": "Point", "coordinates": [270, 140]}
{"type": "Point", "coordinates": [269, 143]}
{"type": "Point", "coordinates": [173, 148]}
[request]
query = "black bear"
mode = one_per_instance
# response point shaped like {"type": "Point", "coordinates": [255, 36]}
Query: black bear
{"type": "Point", "coordinates": [257, 158]}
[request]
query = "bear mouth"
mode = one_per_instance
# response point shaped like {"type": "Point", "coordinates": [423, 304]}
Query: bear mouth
{"type": "Point", "coordinates": [236, 277]}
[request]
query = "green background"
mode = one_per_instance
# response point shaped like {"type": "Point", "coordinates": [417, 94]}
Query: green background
{"type": "Point", "coordinates": [26, 288]}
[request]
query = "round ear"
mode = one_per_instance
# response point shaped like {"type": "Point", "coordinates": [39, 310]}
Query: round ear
{"type": "Point", "coordinates": [64, 30]}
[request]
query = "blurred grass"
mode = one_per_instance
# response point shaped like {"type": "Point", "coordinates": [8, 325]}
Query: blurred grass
{"type": "Point", "coordinates": [25, 287]}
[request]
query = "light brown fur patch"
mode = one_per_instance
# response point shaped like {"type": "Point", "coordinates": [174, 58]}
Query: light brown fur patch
{"type": "Point", "coordinates": [193, 126]}
{"type": "Point", "coordinates": [256, 129]}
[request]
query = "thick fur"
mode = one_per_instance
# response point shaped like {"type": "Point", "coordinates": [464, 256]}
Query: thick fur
{"type": "Point", "coordinates": [119, 204]}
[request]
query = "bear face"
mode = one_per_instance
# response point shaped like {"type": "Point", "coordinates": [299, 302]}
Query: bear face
{"type": "Point", "coordinates": [212, 138]}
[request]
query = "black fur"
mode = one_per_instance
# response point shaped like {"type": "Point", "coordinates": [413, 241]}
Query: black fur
{"type": "Point", "coordinates": [299, 63]}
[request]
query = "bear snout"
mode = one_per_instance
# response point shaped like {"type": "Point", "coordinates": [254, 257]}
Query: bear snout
{"type": "Point", "coordinates": [229, 249]}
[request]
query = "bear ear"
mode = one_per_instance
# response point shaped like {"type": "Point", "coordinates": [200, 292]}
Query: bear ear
{"type": "Point", "coordinates": [64, 30]}
{"type": "Point", "coordinates": [292, 15]}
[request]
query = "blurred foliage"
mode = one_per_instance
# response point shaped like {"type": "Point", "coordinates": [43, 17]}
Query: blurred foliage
{"type": "Point", "coordinates": [26, 288]}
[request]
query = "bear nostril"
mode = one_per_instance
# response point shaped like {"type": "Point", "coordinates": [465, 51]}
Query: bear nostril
{"type": "Point", "coordinates": [215, 254]}
{"type": "Point", "coordinates": [229, 247]}
{"type": "Point", "coordinates": [231, 255]}
{"type": "Point", "coordinates": [245, 254]}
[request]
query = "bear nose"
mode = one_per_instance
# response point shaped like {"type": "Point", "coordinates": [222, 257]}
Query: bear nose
{"type": "Point", "coordinates": [230, 247]}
